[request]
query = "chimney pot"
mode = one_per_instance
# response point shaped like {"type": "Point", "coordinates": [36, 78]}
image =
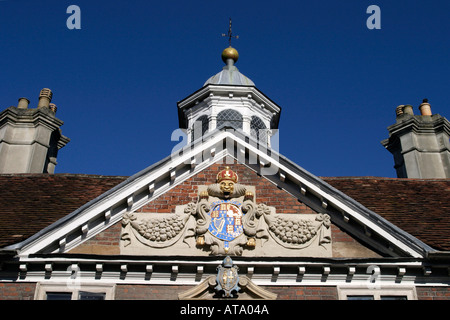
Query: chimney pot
{"type": "Point", "coordinates": [23, 103]}
{"type": "Point", "coordinates": [425, 108]}
{"type": "Point", "coordinates": [45, 97]}
{"type": "Point", "coordinates": [408, 109]}
{"type": "Point", "coordinates": [53, 107]}
{"type": "Point", "coordinates": [399, 110]}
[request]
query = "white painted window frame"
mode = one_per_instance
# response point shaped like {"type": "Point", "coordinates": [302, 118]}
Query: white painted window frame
{"type": "Point", "coordinates": [42, 288]}
{"type": "Point", "coordinates": [409, 292]}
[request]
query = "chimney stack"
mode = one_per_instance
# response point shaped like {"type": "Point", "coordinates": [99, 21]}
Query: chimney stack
{"type": "Point", "coordinates": [420, 144]}
{"type": "Point", "coordinates": [30, 137]}
{"type": "Point", "coordinates": [23, 103]}
{"type": "Point", "coordinates": [45, 97]}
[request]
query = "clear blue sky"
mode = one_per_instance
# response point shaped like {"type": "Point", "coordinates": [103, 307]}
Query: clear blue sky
{"type": "Point", "coordinates": [116, 81]}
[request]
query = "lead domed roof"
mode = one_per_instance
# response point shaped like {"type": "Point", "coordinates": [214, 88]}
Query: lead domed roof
{"type": "Point", "coordinates": [230, 75]}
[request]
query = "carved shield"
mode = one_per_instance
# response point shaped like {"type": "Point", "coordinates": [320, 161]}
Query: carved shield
{"type": "Point", "coordinates": [227, 278]}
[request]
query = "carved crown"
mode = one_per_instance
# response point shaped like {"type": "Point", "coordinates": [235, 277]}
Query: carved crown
{"type": "Point", "coordinates": [227, 174]}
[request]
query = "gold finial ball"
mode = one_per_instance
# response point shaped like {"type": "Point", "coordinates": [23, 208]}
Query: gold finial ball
{"type": "Point", "coordinates": [230, 53]}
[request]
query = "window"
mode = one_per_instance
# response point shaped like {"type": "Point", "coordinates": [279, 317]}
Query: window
{"type": "Point", "coordinates": [59, 295]}
{"type": "Point", "coordinates": [199, 128]}
{"type": "Point", "coordinates": [399, 297]}
{"type": "Point", "coordinates": [394, 298]}
{"type": "Point", "coordinates": [377, 294]}
{"type": "Point", "coordinates": [258, 129]}
{"type": "Point", "coordinates": [359, 297]}
{"type": "Point", "coordinates": [83, 295]}
{"type": "Point", "coordinates": [64, 291]}
{"type": "Point", "coordinates": [229, 118]}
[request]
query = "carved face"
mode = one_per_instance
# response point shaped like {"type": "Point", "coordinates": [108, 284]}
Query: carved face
{"type": "Point", "coordinates": [227, 187]}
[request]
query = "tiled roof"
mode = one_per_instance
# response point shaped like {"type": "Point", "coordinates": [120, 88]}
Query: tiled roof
{"type": "Point", "coordinates": [420, 207]}
{"type": "Point", "coordinates": [31, 202]}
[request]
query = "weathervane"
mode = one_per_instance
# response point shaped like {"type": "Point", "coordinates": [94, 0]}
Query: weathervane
{"type": "Point", "coordinates": [230, 34]}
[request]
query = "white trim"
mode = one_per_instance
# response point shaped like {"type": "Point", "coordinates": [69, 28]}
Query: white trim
{"type": "Point", "coordinates": [409, 292]}
{"type": "Point", "coordinates": [192, 272]}
{"type": "Point", "coordinates": [75, 288]}
{"type": "Point", "coordinates": [222, 91]}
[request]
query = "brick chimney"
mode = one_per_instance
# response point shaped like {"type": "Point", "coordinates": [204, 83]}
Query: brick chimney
{"type": "Point", "coordinates": [419, 143]}
{"type": "Point", "coordinates": [30, 137]}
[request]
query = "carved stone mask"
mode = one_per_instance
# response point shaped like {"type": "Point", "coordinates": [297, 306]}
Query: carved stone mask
{"type": "Point", "coordinates": [227, 187]}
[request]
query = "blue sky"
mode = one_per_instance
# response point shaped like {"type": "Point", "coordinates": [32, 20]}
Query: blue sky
{"type": "Point", "coordinates": [117, 80]}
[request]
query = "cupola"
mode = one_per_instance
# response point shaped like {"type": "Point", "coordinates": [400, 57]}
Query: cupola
{"type": "Point", "coordinates": [229, 101]}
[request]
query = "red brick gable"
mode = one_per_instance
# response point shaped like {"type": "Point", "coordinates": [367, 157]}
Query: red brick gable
{"type": "Point", "coordinates": [266, 192]}
{"type": "Point", "coordinates": [106, 242]}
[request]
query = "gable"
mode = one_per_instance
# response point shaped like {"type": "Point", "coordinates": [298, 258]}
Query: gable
{"type": "Point", "coordinates": [155, 181]}
{"type": "Point", "coordinates": [108, 241]}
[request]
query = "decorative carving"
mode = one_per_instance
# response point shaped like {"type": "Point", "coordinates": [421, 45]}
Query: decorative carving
{"type": "Point", "coordinates": [159, 232]}
{"type": "Point", "coordinates": [206, 291]}
{"type": "Point", "coordinates": [227, 284]}
{"type": "Point", "coordinates": [226, 220]}
{"type": "Point", "coordinates": [227, 279]}
{"type": "Point", "coordinates": [294, 234]}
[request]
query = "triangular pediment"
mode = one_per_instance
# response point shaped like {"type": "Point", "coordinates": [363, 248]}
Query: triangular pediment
{"type": "Point", "coordinates": [222, 147]}
{"type": "Point", "coordinates": [205, 291]}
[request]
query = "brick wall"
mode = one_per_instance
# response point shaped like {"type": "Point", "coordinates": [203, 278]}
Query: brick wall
{"type": "Point", "coordinates": [17, 291]}
{"type": "Point", "coordinates": [433, 293]}
{"type": "Point", "coordinates": [106, 242]}
{"type": "Point", "coordinates": [146, 292]}
{"type": "Point", "coordinates": [304, 293]}
{"type": "Point", "coordinates": [26, 291]}
{"type": "Point", "coordinates": [266, 192]}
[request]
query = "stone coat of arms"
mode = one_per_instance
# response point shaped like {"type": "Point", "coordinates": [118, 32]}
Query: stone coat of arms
{"type": "Point", "coordinates": [226, 220]}
{"type": "Point", "coordinates": [227, 278]}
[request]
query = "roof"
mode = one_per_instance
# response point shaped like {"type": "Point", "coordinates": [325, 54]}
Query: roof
{"type": "Point", "coordinates": [31, 202]}
{"type": "Point", "coordinates": [418, 206]}
{"type": "Point", "coordinates": [230, 75]}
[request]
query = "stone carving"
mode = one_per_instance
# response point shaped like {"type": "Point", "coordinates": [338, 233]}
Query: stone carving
{"type": "Point", "coordinates": [158, 232]}
{"type": "Point", "coordinates": [227, 284]}
{"type": "Point", "coordinates": [206, 291]}
{"type": "Point", "coordinates": [292, 233]}
{"type": "Point", "coordinates": [227, 279]}
{"type": "Point", "coordinates": [226, 220]}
